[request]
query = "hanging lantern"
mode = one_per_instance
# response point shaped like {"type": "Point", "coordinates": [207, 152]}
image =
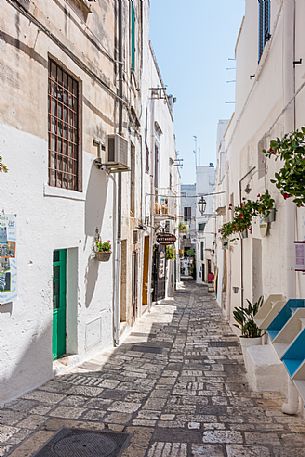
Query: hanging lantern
{"type": "Point", "coordinates": [202, 205]}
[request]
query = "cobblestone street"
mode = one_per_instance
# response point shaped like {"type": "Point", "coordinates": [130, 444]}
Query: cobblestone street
{"type": "Point", "coordinates": [176, 384]}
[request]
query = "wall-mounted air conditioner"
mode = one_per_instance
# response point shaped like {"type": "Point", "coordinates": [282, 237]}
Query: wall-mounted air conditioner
{"type": "Point", "coordinates": [116, 153]}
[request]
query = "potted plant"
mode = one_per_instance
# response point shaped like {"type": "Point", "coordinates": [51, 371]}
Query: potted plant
{"type": "Point", "coordinates": [290, 179]}
{"type": "Point", "coordinates": [170, 253]}
{"type": "Point", "coordinates": [250, 334]}
{"type": "Point", "coordinates": [182, 227]}
{"type": "Point", "coordinates": [266, 207]}
{"type": "Point", "coordinates": [102, 250]}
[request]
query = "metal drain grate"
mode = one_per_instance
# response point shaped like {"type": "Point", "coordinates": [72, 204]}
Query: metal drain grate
{"type": "Point", "coordinates": [84, 443]}
{"type": "Point", "coordinates": [147, 349]}
{"type": "Point", "coordinates": [223, 344]}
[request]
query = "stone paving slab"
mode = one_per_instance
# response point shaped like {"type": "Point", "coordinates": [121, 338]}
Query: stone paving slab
{"type": "Point", "coordinates": [177, 384]}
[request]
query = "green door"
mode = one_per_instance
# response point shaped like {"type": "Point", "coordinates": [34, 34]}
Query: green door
{"type": "Point", "coordinates": [59, 302]}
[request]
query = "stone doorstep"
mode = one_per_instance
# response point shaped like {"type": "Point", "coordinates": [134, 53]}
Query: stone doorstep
{"type": "Point", "coordinates": [265, 371]}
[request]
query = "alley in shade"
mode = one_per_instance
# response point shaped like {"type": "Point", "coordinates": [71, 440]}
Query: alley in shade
{"type": "Point", "coordinates": [177, 385]}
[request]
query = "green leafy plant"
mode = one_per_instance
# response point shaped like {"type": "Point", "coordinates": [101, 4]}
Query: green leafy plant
{"type": "Point", "coordinates": [264, 204]}
{"type": "Point", "coordinates": [190, 252]}
{"type": "Point", "coordinates": [182, 227]}
{"type": "Point", "coordinates": [243, 213]}
{"type": "Point", "coordinates": [290, 179]}
{"type": "Point", "coordinates": [3, 168]}
{"type": "Point", "coordinates": [103, 246]}
{"type": "Point", "coordinates": [170, 253]}
{"type": "Point", "coordinates": [244, 317]}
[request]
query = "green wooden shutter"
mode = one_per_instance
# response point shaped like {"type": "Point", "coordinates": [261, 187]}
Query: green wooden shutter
{"type": "Point", "coordinates": [133, 35]}
{"type": "Point", "coordinates": [264, 10]}
{"type": "Point", "coordinates": [261, 41]}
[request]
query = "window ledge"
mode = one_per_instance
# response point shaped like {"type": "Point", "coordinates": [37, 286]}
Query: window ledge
{"type": "Point", "coordinates": [49, 191]}
{"type": "Point", "coordinates": [82, 5]}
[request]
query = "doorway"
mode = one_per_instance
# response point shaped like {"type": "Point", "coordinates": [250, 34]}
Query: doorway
{"type": "Point", "coordinates": [59, 343]}
{"type": "Point", "coordinates": [145, 272]}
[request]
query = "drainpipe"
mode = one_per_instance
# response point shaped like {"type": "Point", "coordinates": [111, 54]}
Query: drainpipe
{"type": "Point", "coordinates": [291, 407]}
{"type": "Point", "coordinates": [152, 197]}
{"type": "Point", "coordinates": [117, 268]}
{"type": "Point", "coordinates": [241, 243]}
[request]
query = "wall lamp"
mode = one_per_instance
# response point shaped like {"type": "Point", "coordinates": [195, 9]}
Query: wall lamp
{"type": "Point", "coordinates": [202, 205]}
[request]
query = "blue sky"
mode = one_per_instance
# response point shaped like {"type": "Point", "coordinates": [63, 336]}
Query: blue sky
{"type": "Point", "coordinates": [193, 41]}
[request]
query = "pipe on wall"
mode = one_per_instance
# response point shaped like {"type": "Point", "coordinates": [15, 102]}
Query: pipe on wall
{"type": "Point", "coordinates": [289, 12]}
{"type": "Point", "coordinates": [118, 192]}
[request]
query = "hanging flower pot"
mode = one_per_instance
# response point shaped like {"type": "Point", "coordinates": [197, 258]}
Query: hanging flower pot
{"type": "Point", "coordinates": [225, 244]}
{"type": "Point", "coordinates": [263, 227]}
{"type": "Point", "coordinates": [102, 256]}
{"type": "Point", "coordinates": [272, 216]}
{"type": "Point", "coordinates": [102, 250]}
{"type": "Point", "coordinates": [244, 234]}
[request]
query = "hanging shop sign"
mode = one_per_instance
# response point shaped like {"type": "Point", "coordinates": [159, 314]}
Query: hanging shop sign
{"type": "Point", "coordinates": [165, 238]}
{"type": "Point", "coordinates": [299, 255]}
{"type": "Point", "coordinates": [7, 258]}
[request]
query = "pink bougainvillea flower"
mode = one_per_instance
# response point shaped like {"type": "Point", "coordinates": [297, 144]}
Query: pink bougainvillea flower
{"type": "Point", "coordinates": [286, 195]}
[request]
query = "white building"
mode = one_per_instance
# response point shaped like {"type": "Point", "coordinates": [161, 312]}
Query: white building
{"type": "Point", "coordinates": [71, 119]}
{"type": "Point", "coordinates": [270, 98]}
{"type": "Point", "coordinates": [205, 222]}
{"type": "Point", "coordinates": [220, 199]}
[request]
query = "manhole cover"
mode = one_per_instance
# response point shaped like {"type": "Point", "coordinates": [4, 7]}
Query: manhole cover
{"type": "Point", "coordinates": [84, 443]}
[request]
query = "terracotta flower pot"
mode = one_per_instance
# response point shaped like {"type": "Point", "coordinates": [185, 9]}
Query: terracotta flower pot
{"type": "Point", "coordinates": [102, 256]}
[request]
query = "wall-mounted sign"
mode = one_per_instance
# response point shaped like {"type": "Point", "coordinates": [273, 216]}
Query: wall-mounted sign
{"type": "Point", "coordinates": [166, 238]}
{"type": "Point", "coordinates": [299, 255]}
{"type": "Point", "coordinates": [7, 258]}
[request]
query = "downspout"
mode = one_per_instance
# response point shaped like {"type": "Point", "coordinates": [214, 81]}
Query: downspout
{"type": "Point", "coordinates": [289, 37]}
{"type": "Point", "coordinates": [152, 198]}
{"type": "Point", "coordinates": [241, 242]}
{"type": "Point", "coordinates": [117, 301]}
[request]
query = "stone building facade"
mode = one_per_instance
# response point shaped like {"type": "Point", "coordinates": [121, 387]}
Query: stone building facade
{"type": "Point", "coordinates": [71, 76]}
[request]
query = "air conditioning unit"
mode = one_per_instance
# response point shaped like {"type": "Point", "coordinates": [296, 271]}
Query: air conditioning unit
{"type": "Point", "coordinates": [117, 153]}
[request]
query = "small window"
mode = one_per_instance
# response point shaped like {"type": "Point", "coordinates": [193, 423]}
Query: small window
{"type": "Point", "coordinates": [147, 160]}
{"type": "Point", "coordinates": [261, 159]}
{"type": "Point", "coordinates": [64, 143]}
{"type": "Point", "coordinates": [201, 226]}
{"type": "Point", "coordinates": [201, 250]}
{"type": "Point", "coordinates": [187, 213]}
{"type": "Point", "coordinates": [264, 7]}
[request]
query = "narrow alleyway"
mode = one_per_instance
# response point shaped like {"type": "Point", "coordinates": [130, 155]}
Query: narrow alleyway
{"type": "Point", "coordinates": [177, 385]}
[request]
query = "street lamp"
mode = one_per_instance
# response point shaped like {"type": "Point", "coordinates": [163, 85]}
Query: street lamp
{"type": "Point", "coordinates": [202, 205]}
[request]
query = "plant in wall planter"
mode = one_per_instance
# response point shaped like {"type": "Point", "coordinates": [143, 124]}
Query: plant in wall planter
{"type": "Point", "coordinates": [290, 179]}
{"type": "Point", "coordinates": [170, 253]}
{"type": "Point", "coordinates": [182, 227]}
{"type": "Point", "coordinates": [265, 207]}
{"type": "Point", "coordinates": [102, 250]}
{"type": "Point", "coordinates": [243, 214]}
{"type": "Point", "coordinates": [250, 334]}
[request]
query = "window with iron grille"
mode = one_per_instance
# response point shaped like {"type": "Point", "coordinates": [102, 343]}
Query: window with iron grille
{"type": "Point", "coordinates": [264, 10]}
{"type": "Point", "coordinates": [64, 144]}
